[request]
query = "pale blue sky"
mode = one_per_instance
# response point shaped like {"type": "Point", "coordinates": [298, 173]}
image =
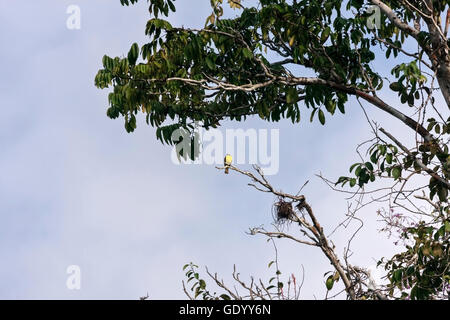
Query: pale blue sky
{"type": "Point", "coordinates": [75, 188]}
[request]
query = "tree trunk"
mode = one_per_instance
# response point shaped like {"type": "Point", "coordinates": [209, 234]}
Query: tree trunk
{"type": "Point", "coordinates": [439, 54]}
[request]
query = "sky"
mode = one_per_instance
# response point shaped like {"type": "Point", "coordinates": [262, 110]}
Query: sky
{"type": "Point", "coordinates": [76, 189]}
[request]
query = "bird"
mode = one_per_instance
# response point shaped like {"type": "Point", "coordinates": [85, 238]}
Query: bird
{"type": "Point", "coordinates": [227, 162]}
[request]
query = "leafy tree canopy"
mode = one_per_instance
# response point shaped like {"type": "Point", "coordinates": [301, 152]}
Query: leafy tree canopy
{"type": "Point", "coordinates": [256, 62]}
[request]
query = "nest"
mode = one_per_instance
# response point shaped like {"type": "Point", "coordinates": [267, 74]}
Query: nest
{"type": "Point", "coordinates": [283, 211]}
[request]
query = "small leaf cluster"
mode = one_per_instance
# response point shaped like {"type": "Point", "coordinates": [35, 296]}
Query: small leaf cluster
{"type": "Point", "coordinates": [198, 285]}
{"type": "Point", "coordinates": [155, 6]}
{"type": "Point", "coordinates": [410, 80]}
{"type": "Point", "coordinates": [331, 279]}
{"type": "Point", "coordinates": [383, 159]}
{"type": "Point", "coordinates": [422, 271]}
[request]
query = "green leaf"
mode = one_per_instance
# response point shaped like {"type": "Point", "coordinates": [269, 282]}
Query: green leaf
{"type": "Point", "coordinates": [292, 95]}
{"type": "Point", "coordinates": [325, 34]}
{"type": "Point", "coordinates": [353, 167]}
{"type": "Point", "coordinates": [329, 283]}
{"type": "Point", "coordinates": [395, 86]}
{"type": "Point", "coordinates": [171, 6]}
{"type": "Point", "coordinates": [369, 166]}
{"type": "Point", "coordinates": [398, 275]}
{"type": "Point", "coordinates": [321, 117]}
{"type": "Point", "coordinates": [447, 226]}
{"type": "Point", "coordinates": [443, 194]}
{"type": "Point", "coordinates": [389, 158]}
{"type": "Point", "coordinates": [133, 54]}
{"type": "Point", "coordinates": [312, 115]}
{"type": "Point", "coordinates": [247, 53]}
{"type": "Point", "coordinates": [211, 65]}
{"type": "Point", "coordinates": [396, 172]}
{"type": "Point", "coordinates": [437, 129]}
{"type": "Point", "coordinates": [330, 105]}
{"type": "Point", "coordinates": [373, 157]}
{"type": "Point", "coordinates": [198, 291]}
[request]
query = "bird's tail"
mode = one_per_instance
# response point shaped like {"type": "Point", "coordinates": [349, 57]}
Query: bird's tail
{"type": "Point", "coordinates": [226, 170]}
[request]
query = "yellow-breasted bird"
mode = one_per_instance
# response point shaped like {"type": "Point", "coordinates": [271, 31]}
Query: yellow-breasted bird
{"type": "Point", "coordinates": [227, 162]}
